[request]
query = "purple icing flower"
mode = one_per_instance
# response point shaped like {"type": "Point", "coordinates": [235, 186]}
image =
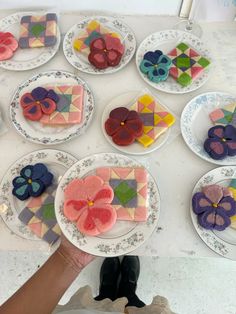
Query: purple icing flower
{"type": "Point", "coordinates": [221, 142]}
{"type": "Point", "coordinates": [213, 206]}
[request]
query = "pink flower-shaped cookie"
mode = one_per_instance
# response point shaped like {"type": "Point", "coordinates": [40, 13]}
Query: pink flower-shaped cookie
{"type": "Point", "coordinates": [88, 203]}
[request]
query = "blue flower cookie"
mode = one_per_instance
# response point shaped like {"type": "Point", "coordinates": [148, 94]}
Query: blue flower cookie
{"type": "Point", "coordinates": [33, 181]}
{"type": "Point", "coordinates": [156, 65]}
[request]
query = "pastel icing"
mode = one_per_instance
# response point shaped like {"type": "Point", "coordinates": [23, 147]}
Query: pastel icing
{"type": "Point", "coordinates": [92, 31]}
{"type": "Point", "coordinates": [187, 64]}
{"type": "Point", "coordinates": [232, 188]}
{"type": "Point", "coordinates": [38, 31]}
{"type": "Point", "coordinates": [69, 108]}
{"type": "Point", "coordinates": [221, 142]}
{"type": "Point", "coordinates": [8, 45]}
{"type": "Point", "coordinates": [155, 65]}
{"type": "Point", "coordinates": [88, 204]}
{"type": "Point", "coordinates": [156, 119]}
{"type": "Point", "coordinates": [105, 52]}
{"type": "Point", "coordinates": [124, 126]}
{"type": "Point", "coordinates": [214, 206]}
{"type": "Point", "coordinates": [130, 191]}
{"type": "Point", "coordinates": [39, 216]}
{"type": "Point", "coordinates": [32, 181]}
{"type": "Point", "coordinates": [225, 115]}
{"type": "Point", "coordinates": [40, 101]}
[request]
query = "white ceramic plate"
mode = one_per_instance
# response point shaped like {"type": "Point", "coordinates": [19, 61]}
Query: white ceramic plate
{"type": "Point", "coordinates": [10, 207]}
{"type": "Point", "coordinates": [126, 100]}
{"type": "Point", "coordinates": [80, 61]}
{"type": "Point", "coordinates": [165, 41]}
{"type": "Point", "coordinates": [34, 131]}
{"type": "Point", "coordinates": [195, 123]}
{"type": "Point", "coordinates": [221, 242]}
{"type": "Point", "coordinates": [125, 236]}
{"type": "Point", "coordinates": [26, 59]}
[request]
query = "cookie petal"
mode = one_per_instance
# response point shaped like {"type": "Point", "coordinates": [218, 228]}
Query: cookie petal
{"type": "Point", "coordinates": [228, 204]}
{"type": "Point", "coordinates": [201, 203]}
{"type": "Point", "coordinates": [123, 137]}
{"type": "Point", "coordinates": [215, 148]}
{"type": "Point", "coordinates": [216, 132]}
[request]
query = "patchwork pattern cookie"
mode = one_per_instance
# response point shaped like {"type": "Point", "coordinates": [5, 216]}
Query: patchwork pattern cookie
{"type": "Point", "coordinates": [225, 115]}
{"type": "Point", "coordinates": [39, 216]}
{"type": "Point", "coordinates": [92, 31]}
{"type": "Point", "coordinates": [130, 191]}
{"type": "Point", "coordinates": [156, 119]}
{"type": "Point", "coordinates": [187, 64]}
{"type": "Point", "coordinates": [69, 106]}
{"type": "Point", "coordinates": [38, 31]}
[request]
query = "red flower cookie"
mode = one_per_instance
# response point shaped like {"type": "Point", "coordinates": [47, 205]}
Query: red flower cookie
{"type": "Point", "coordinates": [124, 126]}
{"type": "Point", "coordinates": [105, 52]}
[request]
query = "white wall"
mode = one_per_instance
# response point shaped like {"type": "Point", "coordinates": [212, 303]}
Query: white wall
{"type": "Point", "coordinates": [170, 7]}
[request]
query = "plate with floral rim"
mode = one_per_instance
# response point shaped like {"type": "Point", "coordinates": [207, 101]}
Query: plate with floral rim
{"type": "Point", "coordinates": [195, 133]}
{"type": "Point", "coordinates": [58, 162]}
{"type": "Point", "coordinates": [126, 100]}
{"type": "Point", "coordinates": [80, 61]}
{"type": "Point", "coordinates": [125, 236]}
{"type": "Point", "coordinates": [26, 59]}
{"type": "Point", "coordinates": [165, 41]}
{"type": "Point", "coordinates": [48, 135]}
{"type": "Point", "coordinates": [221, 242]}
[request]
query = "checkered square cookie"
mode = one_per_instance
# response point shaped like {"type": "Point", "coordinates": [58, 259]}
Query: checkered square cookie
{"type": "Point", "coordinates": [38, 31]}
{"type": "Point", "coordinates": [130, 191]}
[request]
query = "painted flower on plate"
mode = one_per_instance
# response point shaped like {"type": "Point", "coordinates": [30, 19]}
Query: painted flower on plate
{"type": "Point", "coordinates": [156, 65]}
{"type": "Point", "coordinates": [214, 206]}
{"type": "Point", "coordinates": [40, 101]}
{"type": "Point", "coordinates": [32, 181]}
{"type": "Point", "coordinates": [124, 126]}
{"type": "Point", "coordinates": [221, 142]}
{"type": "Point", "coordinates": [88, 203]}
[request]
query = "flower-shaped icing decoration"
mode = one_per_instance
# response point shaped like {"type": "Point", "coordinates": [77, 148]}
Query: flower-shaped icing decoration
{"type": "Point", "coordinates": [88, 203]}
{"type": "Point", "coordinates": [214, 206]}
{"type": "Point", "coordinates": [124, 126]}
{"type": "Point", "coordinates": [221, 142]}
{"type": "Point", "coordinates": [8, 45]}
{"type": "Point", "coordinates": [156, 65]}
{"type": "Point", "coordinates": [33, 181]}
{"type": "Point", "coordinates": [105, 52]}
{"type": "Point", "coordinates": [40, 101]}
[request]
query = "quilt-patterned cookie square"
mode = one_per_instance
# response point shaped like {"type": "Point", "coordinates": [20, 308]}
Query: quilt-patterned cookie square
{"type": "Point", "coordinates": [69, 107]}
{"type": "Point", "coordinates": [39, 216]}
{"type": "Point", "coordinates": [225, 115]}
{"type": "Point", "coordinates": [130, 191]}
{"type": "Point", "coordinates": [156, 119]}
{"type": "Point", "coordinates": [187, 64]}
{"type": "Point", "coordinates": [92, 31]}
{"type": "Point", "coordinates": [38, 31]}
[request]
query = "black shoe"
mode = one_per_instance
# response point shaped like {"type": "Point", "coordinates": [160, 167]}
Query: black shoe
{"type": "Point", "coordinates": [109, 275]}
{"type": "Point", "coordinates": [130, 269]}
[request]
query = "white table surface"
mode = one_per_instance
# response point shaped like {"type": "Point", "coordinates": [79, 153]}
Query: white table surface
{"type": "Point", "coordinates": [175, 168]}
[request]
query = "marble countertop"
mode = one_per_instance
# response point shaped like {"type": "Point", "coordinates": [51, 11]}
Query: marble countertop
{"type": "Point", "coordinates": [175, 168]}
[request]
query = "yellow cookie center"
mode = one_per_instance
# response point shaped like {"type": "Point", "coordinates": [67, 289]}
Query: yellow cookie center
{"type": "Point", "coordinates": [122, 123]}
{"type": "Point", "coordinates": [29, 181]}
{"type": "Point", "coordinates": [223, 140]}
{"type": "Point", "coordinates": [38, 102]}
{"type": "Point", "coordinates": [90, 203]}
{"type": "Point", "coordinates": [215, 205]}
